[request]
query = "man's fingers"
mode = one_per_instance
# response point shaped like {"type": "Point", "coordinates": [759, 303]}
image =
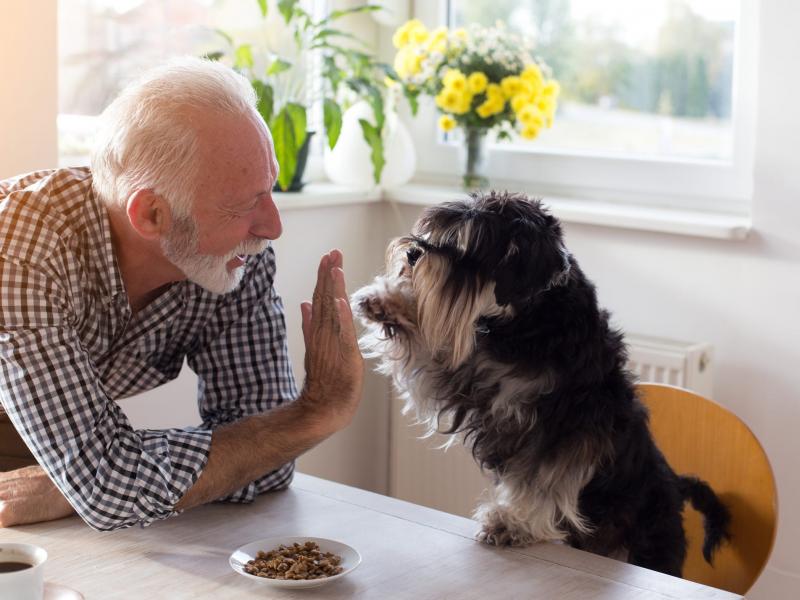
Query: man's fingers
{"type": "Point", "coordinates": [339, 290]}
{"type": "Point", "coordinates": [305, 312]}
{"type": "Point", "coordinates": [347, 331]}
{"type": "Point", "coordinates": [319, 288]}
{"type": "Point", "coordinates": [337, 259]}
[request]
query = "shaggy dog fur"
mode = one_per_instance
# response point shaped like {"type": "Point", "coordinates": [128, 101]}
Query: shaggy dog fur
{"type": "Point", "coordinates": [492, 333]}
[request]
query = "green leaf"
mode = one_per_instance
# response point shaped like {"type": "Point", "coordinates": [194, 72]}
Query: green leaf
{"type": "Point", "coordinates": [224, 34]}
{"type": "Point", "coordinates": [262, 4]}
{"type": "Point", "coordinates": [243, 57]}
{"type": "Point", "coordinates": [333, 121]}
{"type": "Point", "coordinates": [266, 99]}
{"type": "Point", "coordinates": [297, 113]}
{"type": "Point", "coordinates": [214, 55]}
{"type": "Point", "coordinates": [413, 99]}
{"type": "Point", "coordinates": [375, 99]}
{"type": "Point", "coordinates": [324, 34]}
{"type": "Point", "coordinates": [372, 135]}
{"type": "Point", "coordinates": [286, 8]}
{"type": "Point", "coordinates": [278, 66]}
{"type": "Point", "coordinates": [286, 147]}
{"type": "Point", "coordinates": [338, 14]}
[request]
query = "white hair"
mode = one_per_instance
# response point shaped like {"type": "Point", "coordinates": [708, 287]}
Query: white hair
{"type": "Point", "coordinates": [147, 137]}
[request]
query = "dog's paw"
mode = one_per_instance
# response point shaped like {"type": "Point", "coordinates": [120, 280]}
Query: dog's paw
{"type": "Point", "coordinates": [496, 531]}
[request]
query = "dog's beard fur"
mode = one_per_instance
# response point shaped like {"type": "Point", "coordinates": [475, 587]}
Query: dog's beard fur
{"type": "Point", "coordinates": [491, 334]}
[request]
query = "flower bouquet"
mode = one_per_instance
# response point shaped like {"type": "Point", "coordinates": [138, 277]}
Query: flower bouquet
{"type": "Point", "coordinates": [482, 79]}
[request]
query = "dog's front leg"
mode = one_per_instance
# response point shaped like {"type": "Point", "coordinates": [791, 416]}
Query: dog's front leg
{"type": "Point", "coordinates": [518, 516]}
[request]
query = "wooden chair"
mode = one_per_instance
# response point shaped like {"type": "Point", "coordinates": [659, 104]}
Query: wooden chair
{"type": "Point", "coordinates": [700, 437]}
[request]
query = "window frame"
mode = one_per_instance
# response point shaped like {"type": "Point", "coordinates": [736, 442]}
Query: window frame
{"type": "Point", "coordinates": [676, 183]}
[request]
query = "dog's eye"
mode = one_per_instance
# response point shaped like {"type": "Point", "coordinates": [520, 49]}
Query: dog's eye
{"type": "Point", "coordinates": [413, 255]}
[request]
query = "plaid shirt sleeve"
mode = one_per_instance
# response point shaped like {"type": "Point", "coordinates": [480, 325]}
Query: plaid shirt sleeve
{"type": "Point", "coordinates": [242, 361]}
{"type": "Point", "coordinates": [114, 476]}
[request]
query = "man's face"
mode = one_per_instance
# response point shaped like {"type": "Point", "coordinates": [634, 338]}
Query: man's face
{"type": "Point", "coordinates": [233, 213]}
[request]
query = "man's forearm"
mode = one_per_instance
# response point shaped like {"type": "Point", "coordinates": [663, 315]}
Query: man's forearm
{"type": "Point", "coordinates": [251, 447]}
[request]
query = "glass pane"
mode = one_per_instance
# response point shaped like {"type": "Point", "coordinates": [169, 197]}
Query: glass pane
{"type": "Point", "coordinates": [649, 79]}
{"type": "Point", "coordinates": [105, 43]}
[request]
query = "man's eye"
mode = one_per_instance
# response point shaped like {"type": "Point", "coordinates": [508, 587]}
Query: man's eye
{"type": "Point", "coordinates": [413, 255]}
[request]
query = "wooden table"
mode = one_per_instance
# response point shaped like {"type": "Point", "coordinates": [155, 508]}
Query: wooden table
{"type": "Point", "coordinates": [408, 552]}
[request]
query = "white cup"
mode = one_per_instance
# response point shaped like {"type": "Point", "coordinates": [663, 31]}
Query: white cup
{"type": "Point", "coordinates": [26, 584]}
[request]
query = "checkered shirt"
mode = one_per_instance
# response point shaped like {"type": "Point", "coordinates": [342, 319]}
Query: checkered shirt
{"type": "Point", "coordinates": [70, 347]}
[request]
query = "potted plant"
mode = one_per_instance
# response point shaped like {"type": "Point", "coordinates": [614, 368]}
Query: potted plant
{"type": "Point", "coordinates": [482, 79]}
{"type": "Point", "coordinates": [284, 100]}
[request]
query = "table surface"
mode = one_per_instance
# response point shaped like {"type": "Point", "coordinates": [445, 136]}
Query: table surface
{"type": "Point", "coordinates": [408, 551]}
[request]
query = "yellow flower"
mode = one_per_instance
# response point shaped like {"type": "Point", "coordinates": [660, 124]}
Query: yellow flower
{"type": "Point", "coordinates": [401, 37]}
{"type": "Point", "coordinates": [489, 108]}
{"type": "Point", "coordinates": [518, 101]}
{"type": "Point", "coordinates": [533, 74]}
{"type": "Point", "coordinates": [530, 116]}
{"type": "Point", "coordinates": [419, 35]}
{"type": "Point", "coordinates": [494, 91]}
{"type": "Point", "coordinates": [512, 85]}
{"type": "Point", "coordinates": [477, 82]}
{"type": "Point", "coordinates": [466, 103]}
{"type": "Point", "coordinates": [408, 62]}
{"type": "Point", "coordinates": [454, 79]}
{"type": "Point", "coordinates": [547, 105]}
{"type": "Point", "coordinates": [484, 110]}
{"type": "Point", "coordinates": [529, 132]}
{"type": "Point", "coordinates": [551, 89]}
{"type": "Point", "coordinates": [526, 88]}
{"type": "Point", "coordinates": [437, 41]}
{"type": "Point", "coordinates": [400, 60]}
{"type": "Point", "coordinates": [446, 123]}
{"type": "Point", "coordinates": [461, 34]}
{"type": "Point", "coordinates": [449, 100]}
{"type": "Point", "coordinates": [411, 31]}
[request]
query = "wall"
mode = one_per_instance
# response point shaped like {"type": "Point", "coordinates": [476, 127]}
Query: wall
{"type": "Point", "coordinates": [28, 86]}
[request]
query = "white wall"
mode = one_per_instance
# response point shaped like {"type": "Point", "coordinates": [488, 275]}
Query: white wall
{"type": "Point", "coordinates": [28, 86]}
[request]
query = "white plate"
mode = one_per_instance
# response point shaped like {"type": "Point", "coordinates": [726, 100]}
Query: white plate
{"type": "Point", "coordinates": [350, 559]}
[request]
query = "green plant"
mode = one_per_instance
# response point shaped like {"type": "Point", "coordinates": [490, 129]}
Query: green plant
{"type": "Point", "coordinates": [284, 102]}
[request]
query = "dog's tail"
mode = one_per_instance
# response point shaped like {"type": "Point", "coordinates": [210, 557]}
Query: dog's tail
{"type": "Point", "coordinates": [716, 516]}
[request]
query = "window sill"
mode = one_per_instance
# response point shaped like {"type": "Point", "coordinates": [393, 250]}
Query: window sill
{"type": "Point", "coordinates": [603, 214]}
{"type": "Point", "coordinates": [324, 194]}
{"type": "Point", "coordinates": [704, 224]}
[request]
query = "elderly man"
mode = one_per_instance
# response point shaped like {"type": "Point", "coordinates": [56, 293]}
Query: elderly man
{"type": "Point", "coordinates": [111, 277]}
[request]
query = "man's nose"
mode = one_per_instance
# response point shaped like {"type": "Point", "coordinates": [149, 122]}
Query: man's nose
{"type": "Point", "coordinates": [267, 223]}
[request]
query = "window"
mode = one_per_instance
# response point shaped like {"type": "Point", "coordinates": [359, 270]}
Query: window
{"type": "Point", "coordinates": [656, 102]}
{"type": "Point", "coordinates": [105, 43]}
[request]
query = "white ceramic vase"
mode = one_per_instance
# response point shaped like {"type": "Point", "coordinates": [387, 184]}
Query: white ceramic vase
{"type": "Point", "coordinates": [349, 162]}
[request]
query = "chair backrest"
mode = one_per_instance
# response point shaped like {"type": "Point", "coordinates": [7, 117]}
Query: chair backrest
{"type": "Point", "coordinates": [700, 437]}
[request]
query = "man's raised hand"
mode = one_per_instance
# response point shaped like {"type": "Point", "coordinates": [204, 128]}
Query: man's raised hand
{"type": "Point", "coordinates": [333, 362]}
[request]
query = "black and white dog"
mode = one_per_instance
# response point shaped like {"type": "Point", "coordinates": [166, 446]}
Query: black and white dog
{"type": "Point", "coordinates": [492, 333]}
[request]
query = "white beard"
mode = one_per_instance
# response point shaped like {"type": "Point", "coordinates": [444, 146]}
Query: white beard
{"type": "Point", "coordinates": [206, 270]}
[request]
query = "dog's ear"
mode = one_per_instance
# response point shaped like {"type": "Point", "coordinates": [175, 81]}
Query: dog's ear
{"type": "Point", "coordinates": [535, 258]}
{"type": "Point", "coordinates": [449, 301]}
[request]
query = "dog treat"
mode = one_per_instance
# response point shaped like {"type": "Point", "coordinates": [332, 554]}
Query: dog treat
{"type": "Point", "coordinates": [297, 561]}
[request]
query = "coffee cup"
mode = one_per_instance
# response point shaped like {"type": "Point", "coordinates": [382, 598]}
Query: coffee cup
{"type": "Point", "coordinates": [21, 571]}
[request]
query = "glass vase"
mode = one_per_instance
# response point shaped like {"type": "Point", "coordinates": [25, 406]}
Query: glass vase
{"type": "Point", "coordinates": [474, 158]}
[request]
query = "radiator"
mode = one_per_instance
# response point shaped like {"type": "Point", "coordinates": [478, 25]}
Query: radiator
{"type": "Point", "coordinates": [449, 480]}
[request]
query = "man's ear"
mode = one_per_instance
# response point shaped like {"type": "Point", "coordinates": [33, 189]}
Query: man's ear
{"type": "Point", "coordinates": [149, 214]}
